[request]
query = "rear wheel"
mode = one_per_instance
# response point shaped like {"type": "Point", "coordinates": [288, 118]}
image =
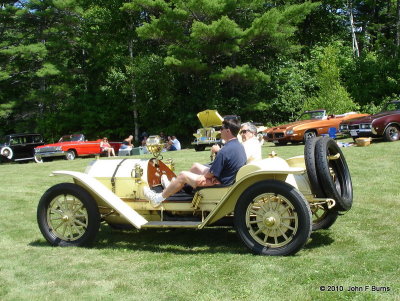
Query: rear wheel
{"type": "Point", "coordinates": [273, 218]}
{"type": "Point", "coordinates": [323, 217]}
{"type": "Point", "coordinates": [68, 216]}
{"type": "Point", "coordinates": [7, 152]}
{"type": "Point", "coordinates": [391, 133]}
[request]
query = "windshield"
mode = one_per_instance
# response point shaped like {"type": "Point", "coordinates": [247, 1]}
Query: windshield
{"type": "Point", "coordinates": [69, 138]}
{"type": "Point", "coordinates": [312, 115]}
{"type": "Point", "coordinates": [392, 106]}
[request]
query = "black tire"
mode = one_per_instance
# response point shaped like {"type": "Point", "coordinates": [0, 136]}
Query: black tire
{"type": "Point", "coordinates": [309, 135]}
{"type": "Point", "coordinates": [333, 173]}
{"type": "Point", "coordinates": [68, 216]}
{"type": "Point", "coordinates": [309, 157]}
{"type": "Point", "coordinates": [391, 133]}
{"type": "Point", "coordinates": [199, 148]}
{"type": "Point", "coordinates": [273, 218]}
{"type": "Point", "coordinates": [70, 154]}
{"type": "Point", "coordinates": [323, 218]}
{"type": "Point", "coordinates": [281, 143]}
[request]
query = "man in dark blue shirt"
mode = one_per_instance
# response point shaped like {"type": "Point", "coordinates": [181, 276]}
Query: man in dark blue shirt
{"type": "Point", "coordinates": [222, 171]}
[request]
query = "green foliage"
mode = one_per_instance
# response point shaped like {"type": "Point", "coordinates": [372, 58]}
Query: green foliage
{"type": "Point", "coordinates": [331, 94]}
{"type": "Point", "coordinates": [125, 66]}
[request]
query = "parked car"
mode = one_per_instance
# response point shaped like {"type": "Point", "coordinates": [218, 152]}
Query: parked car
{"type": "Point", "coordinates": [385, 124]}
{"type": "Point", "coordinates": [273, 204]}
{"type": "Point", "coordinates": [210, 133]}
{"type": "Point", "coordinates": [19, 147]}
{"type": "Point", "coordinates": [71, 146]}
{"type": "Point", "coordinates": [310, 124]}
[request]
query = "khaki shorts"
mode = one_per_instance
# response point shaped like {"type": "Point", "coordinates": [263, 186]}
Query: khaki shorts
{"type": "Point", "coordinates": [202, 181]}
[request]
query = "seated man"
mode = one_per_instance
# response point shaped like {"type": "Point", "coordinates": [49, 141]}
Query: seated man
{"type": "Point", "coordinates": [174, 144]}
{"type": "Point", "coordinates": [250, 142]}
{"type": "Point", "coordinates": [222, 171]}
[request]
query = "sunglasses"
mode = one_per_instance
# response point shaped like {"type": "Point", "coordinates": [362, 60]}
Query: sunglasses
{"type": "Point", "coordinates": [244, 131]}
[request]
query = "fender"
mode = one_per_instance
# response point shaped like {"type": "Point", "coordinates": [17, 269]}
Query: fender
{"type": "Point", "coordinates": [99, 191]}
{"type": "Point", "coordinates": [228, 203]}
{"type": "Point", "coordinates": [391, 124]}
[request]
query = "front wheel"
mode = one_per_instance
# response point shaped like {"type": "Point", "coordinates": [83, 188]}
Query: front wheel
{"type": "Point", "coordinates": [67, 215]}
{"type": "Point", "coordinates": [273, 218]}
{"type": "Point", "coordinates": [391, 134]}
{"type": "Point", "coordinates": [38, 159]}
{"type": "Point", "coordinates": [199, 148]}
{"type": "Point", "coordinates": [70, 155]}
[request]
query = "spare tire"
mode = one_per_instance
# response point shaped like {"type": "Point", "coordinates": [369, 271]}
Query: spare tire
{"type": "Point", "coordinates": [333, 173]}
{"type": "Point", "coordinates": [309, 157]}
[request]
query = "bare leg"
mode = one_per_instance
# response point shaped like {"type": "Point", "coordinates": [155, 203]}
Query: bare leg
{"type": "Point", "coordinates": [178, 183]}
{"type": "Point", "coordinates": [199, 169]}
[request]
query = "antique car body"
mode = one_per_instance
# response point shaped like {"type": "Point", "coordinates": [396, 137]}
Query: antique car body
{"type": "Point", "coordinates": [210, 133]}
{"type": "Point", "coordinates": [19, 147]}
{"type": "Point", "coordinates": [271, 205]}
{"type": "Point", "coordinates": [384, 124]}
{"type": "Point", "coordinates": [310, 124]}
{"type": "Point", "coordinates": [71, 146]}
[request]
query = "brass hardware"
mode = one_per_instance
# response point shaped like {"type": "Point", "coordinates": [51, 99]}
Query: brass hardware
{"type": "Point", "coordinates": [334, 157]}
{"type": "Point", "coordinates": [196, 200]}
{"type": "Point", "coordinates": [272, 154]}
{"type": "Point", "coordinates": [138, 173]}
{"type": "Point", "coordinates": [170, 164]}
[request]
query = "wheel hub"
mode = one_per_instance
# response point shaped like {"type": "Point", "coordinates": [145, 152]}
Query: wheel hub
{"type": "Point", "coordinates": [271, 220]}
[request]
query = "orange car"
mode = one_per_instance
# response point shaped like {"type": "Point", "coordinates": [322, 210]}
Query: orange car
{"type": "Point", "coordinates": [310, 124]}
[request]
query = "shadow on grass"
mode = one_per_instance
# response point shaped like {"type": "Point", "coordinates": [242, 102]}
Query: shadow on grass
{"type": "Point", "coordinates": [319, 239]}
{"type": "Point", "coordinates": [177, 241]}
{"type": "Point", "coordinates": [182, 241]}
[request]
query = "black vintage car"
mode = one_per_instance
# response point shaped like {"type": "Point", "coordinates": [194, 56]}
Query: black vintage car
{"type": "Point", "coordinates": [19, 147]}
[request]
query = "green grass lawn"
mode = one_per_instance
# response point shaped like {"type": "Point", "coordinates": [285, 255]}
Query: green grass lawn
{"type": "Point", "coordinates": [360, 250]}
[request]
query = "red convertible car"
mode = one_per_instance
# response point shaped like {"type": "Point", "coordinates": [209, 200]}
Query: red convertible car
{"type": "Point", "coordinates": [71, 146]}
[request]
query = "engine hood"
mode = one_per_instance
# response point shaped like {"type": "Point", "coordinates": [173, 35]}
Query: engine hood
{"type": "Point", "coordinates": [370, 118]}
{"type": "Point", "coordinates": [209, 118]}
{"type": "Point", "coordinates": [294, 124]}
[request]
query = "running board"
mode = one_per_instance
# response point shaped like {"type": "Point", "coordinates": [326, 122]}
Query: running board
{"type": "Point", "coordinates": [171, 224]}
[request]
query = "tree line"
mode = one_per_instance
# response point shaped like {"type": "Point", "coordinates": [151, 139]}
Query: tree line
{"type": "Point", "coordinates": [116, 67]}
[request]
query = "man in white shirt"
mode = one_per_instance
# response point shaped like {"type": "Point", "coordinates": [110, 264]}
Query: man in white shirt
{"type": "Point", "coordinates": [250, 142]}
{"type": "Point", "coordinates": [175, 145]}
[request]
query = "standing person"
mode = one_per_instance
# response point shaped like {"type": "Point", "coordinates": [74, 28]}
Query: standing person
{"type": "Point", "coordinates": [250, 142]}
{"type": "Point", "coordinates": [106, 147]}
{"type": "Point", "coordinates": [127, 143]}
{"type": "Point", "coordinates": [222, 171]}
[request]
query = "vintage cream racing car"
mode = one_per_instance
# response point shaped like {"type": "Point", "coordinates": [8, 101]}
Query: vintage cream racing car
{"type": "Point", "coordinates": [273, 205]}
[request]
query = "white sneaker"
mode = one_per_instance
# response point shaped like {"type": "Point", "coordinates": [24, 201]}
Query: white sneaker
{"type": "Point", "coordinates": [164, 181]}
{"type": "Point", "coordinates": [155, 198]}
